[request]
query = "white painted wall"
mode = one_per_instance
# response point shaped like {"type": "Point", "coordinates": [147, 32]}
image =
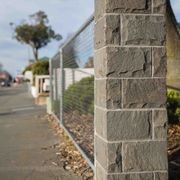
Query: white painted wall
{"type": "Point", "coordinates": [28, 76]}
{"type": "Point", "coordinates": [74, 75]}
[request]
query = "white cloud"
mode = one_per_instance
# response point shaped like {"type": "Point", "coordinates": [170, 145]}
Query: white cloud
{"type": "Point", "coordinates": [65, 17]}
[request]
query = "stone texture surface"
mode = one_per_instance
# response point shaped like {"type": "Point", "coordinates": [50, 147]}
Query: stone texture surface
{"type": "Point", "coordinates": [100, 63]}
{"type": "Point", "coordinates": [143, 30]}
{"type": "Point", "coordinates": [99, 175]}
{"type": "Point", "coordinates": [160, 124]}
{"type": "Point", "coordinates": [109, 155]}
{"type": "Point", "coordinates": [128, 62]}
{"type": "Point", "coordinates": [128, 125]}
{"type": "Point", "coordinates": [124, 62]}
{"type": "Point", "coordinates": [130, 6]}
{"type": "Point", "coordinates": [99, 9]}
{"type": "Point", "coordinates": [160, 63]}
{"type": "Point", "coordinates": [139, 176]}
{"type": "Point", "coordinates": [145, 156]}
{"type": "Point", "coordinates": [130, 70]}
{"type": "Point", "coordinates": [144, 93]}
{"type": "Point", "coordinates": [108, 93]}
{"type": "Point", "coordinates": [161, 176]}
{"type": "Point", "coordinates": [100, 93]}
{"type": "Point", "coordinates": [159, 6]}
{"type": "Point", "coordinates": [121, 6]}
{"type": "Point", "coordinates": [107, 31]}
{"type": "Point", "coordinates": [100, 122]}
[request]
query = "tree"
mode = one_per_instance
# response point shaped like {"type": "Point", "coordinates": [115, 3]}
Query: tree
{"type": "Point", "coordinates": [36, 33]}
{"type": "Point", "coordinates": [40, 67]}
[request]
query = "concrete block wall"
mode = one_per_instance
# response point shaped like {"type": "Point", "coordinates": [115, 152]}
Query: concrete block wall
{"type": "Point", "coordinates": [130, 90]}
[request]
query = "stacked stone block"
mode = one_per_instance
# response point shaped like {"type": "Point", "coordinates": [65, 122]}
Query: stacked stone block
{"type": "Point", "coordinates": [130, 90]}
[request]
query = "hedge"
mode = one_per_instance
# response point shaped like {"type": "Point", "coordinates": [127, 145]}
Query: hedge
{"type": "Point", "coordinates": [80, 96]}
{"type": "Point", "coordinates": [173, 106]}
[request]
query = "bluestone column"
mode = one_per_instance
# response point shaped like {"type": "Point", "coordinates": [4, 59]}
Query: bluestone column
{"type": "Point", "coordinates": [130, 90]}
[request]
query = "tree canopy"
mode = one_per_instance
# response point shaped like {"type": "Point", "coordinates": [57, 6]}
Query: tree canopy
{"type": "Point", "coordinates": [36, 33]}
{"type": "Point", "coordinates": [40, 67]}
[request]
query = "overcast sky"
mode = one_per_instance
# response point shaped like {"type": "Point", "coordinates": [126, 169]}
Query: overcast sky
{"type": "Point", "coordinates": [65, 16]}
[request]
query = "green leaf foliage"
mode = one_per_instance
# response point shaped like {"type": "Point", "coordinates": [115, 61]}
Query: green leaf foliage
{"type": "Point", "coordinates": [173, 106]}
{"type": "Point", "coordinates": [80, 96]}
{"type": "Point", "coordinates": [40, 68]}
{"type": "Point", "coordinates": [36, 33]}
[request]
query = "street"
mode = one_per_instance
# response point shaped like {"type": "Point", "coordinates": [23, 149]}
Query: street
{"type": "Point", "coordinates": [27, 143]}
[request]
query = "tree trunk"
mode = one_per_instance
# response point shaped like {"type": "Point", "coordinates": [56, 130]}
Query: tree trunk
{"type": "Point", "coordinates": [35, 52]}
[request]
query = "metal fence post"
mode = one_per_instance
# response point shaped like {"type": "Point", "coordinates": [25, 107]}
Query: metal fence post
{"type": "Point", "coordinates": [51, 84]}
{"type": "Point", "coordinates": [61, 86]}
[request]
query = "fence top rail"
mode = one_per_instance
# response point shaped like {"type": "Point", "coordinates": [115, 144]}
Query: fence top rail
{"type": "Point", "coordinates": [89, 20]}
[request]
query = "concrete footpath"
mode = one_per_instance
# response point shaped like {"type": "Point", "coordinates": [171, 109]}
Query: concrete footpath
{"type": "Point", "coordinates": [27, 143]}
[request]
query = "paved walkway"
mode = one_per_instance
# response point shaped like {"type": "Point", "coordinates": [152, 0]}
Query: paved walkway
{"type": "Point", "coordinates": [27, 143]}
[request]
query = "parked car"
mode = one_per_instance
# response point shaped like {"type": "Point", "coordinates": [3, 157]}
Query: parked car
{"type": "Point", "coordinates": [5, 83]}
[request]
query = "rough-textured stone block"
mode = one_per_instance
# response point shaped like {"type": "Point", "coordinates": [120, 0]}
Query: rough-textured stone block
{"type": "Point", "coordinates": [161, 176]}
{"type": "Point", "coordinates": [144, 93]}
{"type": "Point", "coordinates": [160, 124]}
{"type": "Point", "coordinates": [99, 175]}
{"type": "Point", "coordinates": [128, 125]}
{"type": "Point", "coordinates": [100, 93]}
{"type": "Point", "coordinates": [99, 9]}
{"type": "Point", "coordinates": [130, 6]}
{"type": "Point", "coordinates": [107, 31]}
{"type": "Point", "coordinates": [100, 122]}
{"type": "Point", "coordinates": [145, 156]}
{"type": "Point", "coordinates": [123, 125]}
{"type": "Point", "coordinates": [138, 176]}
{"type": "Point", "coordinates": [100, 62]}
{"type": "Point", "coordinates": [108, 93]}
{"type": "Point", "coordinates": [126, 62]}
{"type": "Point", "coordinates": [121, 6]}
{"type": "Point", "coordinates": [109, 155]}
{"type": "Point", "coordinates": [143, 30]}
{"type": "Point", "coordinates": [159, 6]}
{"type": "Point", "coordinates": [160, 63]}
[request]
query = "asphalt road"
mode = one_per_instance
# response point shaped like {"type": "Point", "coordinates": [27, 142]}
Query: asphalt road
{"type": "Point", "coordinates": [27, 143]}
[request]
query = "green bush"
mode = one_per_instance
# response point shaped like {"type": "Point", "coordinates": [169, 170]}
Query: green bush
{"type": "Point", "coordinates": [40, 67]}
{"type": "Point", "coordinates": [173, 106]}
{"type": "Point", "coordinates": [80, 96]}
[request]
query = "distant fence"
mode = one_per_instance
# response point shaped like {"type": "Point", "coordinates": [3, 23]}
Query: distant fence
{"type": "Point", "coordinates": [72, 88]}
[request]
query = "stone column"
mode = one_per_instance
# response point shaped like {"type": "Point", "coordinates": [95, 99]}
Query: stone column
{"type": "Point", "coordinates": [130, 90]}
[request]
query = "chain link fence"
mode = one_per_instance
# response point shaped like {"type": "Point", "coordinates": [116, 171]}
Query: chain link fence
{"type": "Point", "coordinates": [72, 88]}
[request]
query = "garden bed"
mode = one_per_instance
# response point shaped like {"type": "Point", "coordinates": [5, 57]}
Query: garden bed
{"type": "Point", "coordinates": [174, 151]}
{"type": "Point", "coordinates": [81, 127]}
